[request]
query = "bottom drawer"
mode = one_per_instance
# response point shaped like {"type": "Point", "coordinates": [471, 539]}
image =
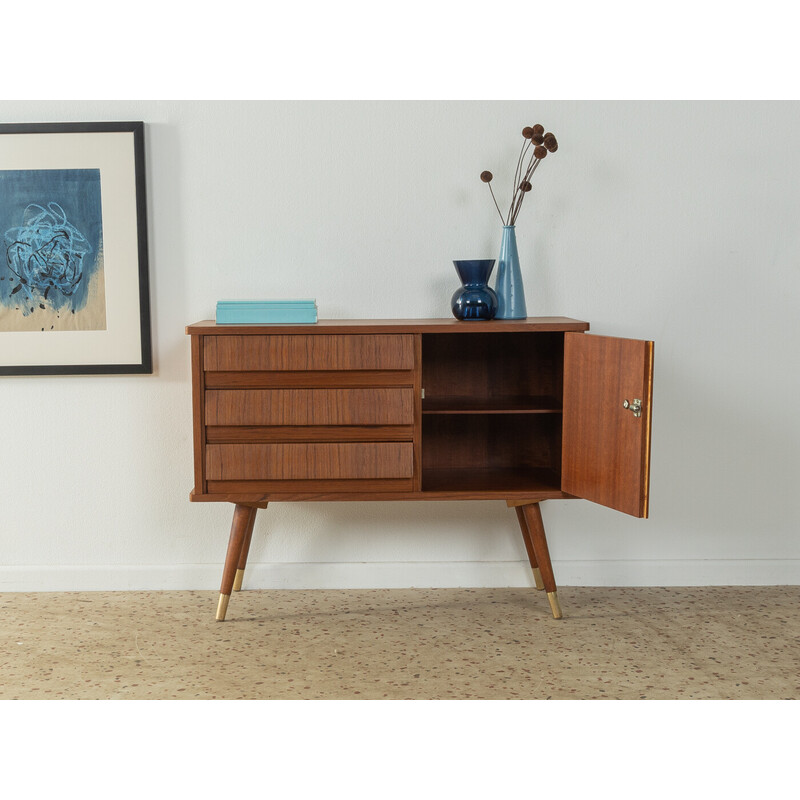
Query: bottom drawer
{"type": "Point", "coordinates": [309, 461]}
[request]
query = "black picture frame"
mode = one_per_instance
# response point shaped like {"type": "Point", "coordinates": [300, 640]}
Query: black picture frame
{"type": "Point", "coordinates": [115, 151]}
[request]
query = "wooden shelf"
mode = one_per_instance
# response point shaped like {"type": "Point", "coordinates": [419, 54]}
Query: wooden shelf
{"type": "Point", "coordinates": [502, 481]}
{"type": "Point", "coordinates": [369, 326]}
{"type": "Point", "coordinates": [494, 405]}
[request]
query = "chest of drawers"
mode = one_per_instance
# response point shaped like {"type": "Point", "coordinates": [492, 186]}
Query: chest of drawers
{"type": "Point", "coordinates": [520, 411]}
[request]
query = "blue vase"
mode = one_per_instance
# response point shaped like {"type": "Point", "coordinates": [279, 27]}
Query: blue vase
{"type": "Point", "coordinates": [474, 300]}
{"type": "Point", "coordinates": [510, 292]}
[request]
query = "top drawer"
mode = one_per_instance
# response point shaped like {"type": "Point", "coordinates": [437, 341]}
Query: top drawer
{"type": "Point", "coordinates": [315, 352]}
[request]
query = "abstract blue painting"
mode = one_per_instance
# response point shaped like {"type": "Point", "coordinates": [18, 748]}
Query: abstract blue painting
{"type": "Point", "coordinates": [51, 265]}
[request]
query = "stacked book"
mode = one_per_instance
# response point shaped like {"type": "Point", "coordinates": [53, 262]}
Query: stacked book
{"type": "Point", "coordinates": [266, 312]}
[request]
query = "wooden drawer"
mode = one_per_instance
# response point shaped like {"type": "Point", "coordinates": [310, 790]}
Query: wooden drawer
{"type": "Point", "coordinates": [373, 406]}
{"type": "Point", "coordinates": [312, 461]}
{"type": "Point", "coordinates": [309, 352]}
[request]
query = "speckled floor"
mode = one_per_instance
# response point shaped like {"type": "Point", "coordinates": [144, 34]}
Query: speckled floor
{"type": "Point", "coordinates": [625, 643]}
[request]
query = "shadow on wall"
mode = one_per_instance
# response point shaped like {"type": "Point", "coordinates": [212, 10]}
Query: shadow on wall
{"type": "Point", "coordinates": [364, 531]}
{"type": "Point", "coordinates": [167, 229]}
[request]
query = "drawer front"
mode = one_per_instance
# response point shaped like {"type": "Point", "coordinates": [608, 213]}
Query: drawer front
{"type": "Point", "coordinates": [373, 406]}
{"type": "Point", "coordinates": [315, 352]}
{"type": "Point", "coordinates": [312, 461]}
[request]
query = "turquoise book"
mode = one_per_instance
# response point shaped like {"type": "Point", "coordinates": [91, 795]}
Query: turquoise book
{"type": "Point", "coordinates": [266, 312]}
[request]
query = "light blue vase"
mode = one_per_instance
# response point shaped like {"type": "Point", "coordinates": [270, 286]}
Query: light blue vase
{"type": "Point", "coordinates": [509, 288]}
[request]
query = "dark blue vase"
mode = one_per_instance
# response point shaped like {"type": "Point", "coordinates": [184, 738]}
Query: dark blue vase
{"type": "Point", "coordinates": [474, 300]}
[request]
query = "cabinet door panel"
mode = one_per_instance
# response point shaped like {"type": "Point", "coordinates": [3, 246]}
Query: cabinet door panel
{"type": "Point", "coordinates": [606, 448]}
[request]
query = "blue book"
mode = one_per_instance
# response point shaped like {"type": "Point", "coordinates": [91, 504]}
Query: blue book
{"type": "Point", "coordinates": [266, 312]}
{"type": "Point", "coordinates": [267, 303]}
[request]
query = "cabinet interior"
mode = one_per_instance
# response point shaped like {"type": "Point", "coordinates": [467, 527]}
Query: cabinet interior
{"type": "Point", "coordinates": [492, 411]}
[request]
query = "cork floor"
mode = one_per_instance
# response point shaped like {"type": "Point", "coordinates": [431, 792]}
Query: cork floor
{"type": "Point", "coordinates": [623, 643]}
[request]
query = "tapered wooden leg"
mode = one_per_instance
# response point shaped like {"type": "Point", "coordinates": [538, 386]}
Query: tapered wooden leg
{"type": "Point", "coordinates": [243, 519]}
{"type": "Point", "coordinates": [533, 518]}
{"type": "Point", "coordinates": [237, 580]}
{"type": "Point", "coordinates": [526, 537]}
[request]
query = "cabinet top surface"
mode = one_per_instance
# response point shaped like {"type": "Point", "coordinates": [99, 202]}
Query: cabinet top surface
{"type": "Point", "coordinates": [328, 326]}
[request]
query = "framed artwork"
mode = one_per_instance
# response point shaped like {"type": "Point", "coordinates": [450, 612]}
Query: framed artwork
{"type": "Point", "coordinates": [74, 296]}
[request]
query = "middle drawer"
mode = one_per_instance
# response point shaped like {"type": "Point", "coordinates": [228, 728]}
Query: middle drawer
{"type": "Point", "coordinates": [367, 406]}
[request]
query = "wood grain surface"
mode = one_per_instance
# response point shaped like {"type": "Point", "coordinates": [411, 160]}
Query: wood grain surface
{"type": "Point", "coordinates": [309, 461]}
{"type": "Point", "coordinates": [374, 406]}
{"type": "Point", "coordinates": [198, 413]}
{"type": "Point", "coordinates": [606, 449]}
{"type": "Point", "coordinates": [378, 490]}
{"type": "Point", "coordinates": [219, 434]}
{"type": "Point", "coordinates": [319, 352]}
{"type": "Point", "coordinates": [443, 325]}
{"type": "Point", "coordinates": [329, 379]}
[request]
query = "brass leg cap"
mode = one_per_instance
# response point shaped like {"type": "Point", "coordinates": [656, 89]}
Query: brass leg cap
{"type": "Point", "coordinates": [554, 605]}
{"type": "Point", "coordinates": [222, 607]}
{"type": "Point", "coordinates": [537, 577]}
{"type": "Point", "coordinates": [237, 580]}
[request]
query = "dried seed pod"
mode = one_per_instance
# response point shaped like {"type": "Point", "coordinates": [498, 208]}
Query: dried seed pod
{"type": "Point", "coordinates": [539, 151]}
{"type": "Point", "coordinates": [537, 138]}
{"type": "Point", "coordinates": [525, 186]}
{"type": "Point", "coordinates": [538, 129]}
{"type": "Point", "coordinates": [486, 176]}
{"type": "Point", "coordinates": [527, 132]}
{"type": "Point", "coordinates": [550, 142]}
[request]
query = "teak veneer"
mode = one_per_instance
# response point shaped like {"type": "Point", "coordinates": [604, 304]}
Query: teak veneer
{"type": "Point", "coordinates": [515, 410]}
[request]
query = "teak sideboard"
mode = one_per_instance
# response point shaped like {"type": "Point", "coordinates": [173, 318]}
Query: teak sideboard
{"type": "Point", "coordinates": [515, 410]}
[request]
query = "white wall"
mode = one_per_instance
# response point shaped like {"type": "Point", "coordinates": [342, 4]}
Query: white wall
{"type": "Point", "coordinates": [673, 221]}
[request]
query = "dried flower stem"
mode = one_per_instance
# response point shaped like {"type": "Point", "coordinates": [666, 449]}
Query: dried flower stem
{"type": "Point", "coordinates": [518, 171]}
{"type": "Point", "coordinates": [517, 178]}
{"type": "Point", "coordinates": [516, 199]}
{"type": "Point", "coordinates": [517, 205]}
{"type": "Point", "coordinates": [496, 206]}
{"type": "Point", "coordinates": [541, 143]}
{"type": "Point", "coordinates": [531, 170]}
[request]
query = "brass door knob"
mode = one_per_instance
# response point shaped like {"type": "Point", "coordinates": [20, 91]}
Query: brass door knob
{"type": "Point", "coordinates": [635, 407]}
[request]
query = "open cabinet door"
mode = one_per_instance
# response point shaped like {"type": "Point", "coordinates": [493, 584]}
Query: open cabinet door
{"type": "Point", "coordinates": [608, 387]}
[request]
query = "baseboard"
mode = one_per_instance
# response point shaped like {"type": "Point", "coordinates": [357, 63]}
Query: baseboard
{"type": "Point", "coordinates": [393, 575]}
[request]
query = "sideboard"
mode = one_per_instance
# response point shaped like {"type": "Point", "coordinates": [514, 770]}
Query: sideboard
{"type": "Point", "coordinates": [514, 410]}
